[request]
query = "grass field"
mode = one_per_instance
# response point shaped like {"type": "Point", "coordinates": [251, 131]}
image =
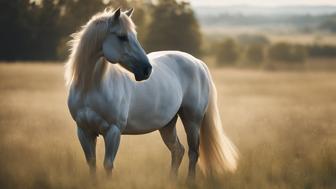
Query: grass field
{"type": "Point", "coordinates": [283, 123]}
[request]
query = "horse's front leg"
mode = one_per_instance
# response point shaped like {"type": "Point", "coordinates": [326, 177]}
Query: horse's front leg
{"type": "Point", "coordinates": [112, 140]}
{"type": "Point", "coordinates": [88, 142]}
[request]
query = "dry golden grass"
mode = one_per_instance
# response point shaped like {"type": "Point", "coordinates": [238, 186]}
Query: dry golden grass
{"type": "Point", "coordinates": [283, 123]}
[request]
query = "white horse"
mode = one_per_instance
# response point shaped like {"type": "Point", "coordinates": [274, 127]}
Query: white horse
{"type": "Point", "coordinates": [104, 99]}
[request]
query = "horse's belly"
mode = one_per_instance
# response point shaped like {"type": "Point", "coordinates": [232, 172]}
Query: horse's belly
{"type": "Point", "coordinates": [149, 121]}
{"type": "Point", "coordinates": [141, 126]}
{"type": "Point", "coordinates": [145, 118]}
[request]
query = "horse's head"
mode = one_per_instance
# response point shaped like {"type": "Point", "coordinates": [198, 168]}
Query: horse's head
{"type": "Point", "coordinates": [122, 46]}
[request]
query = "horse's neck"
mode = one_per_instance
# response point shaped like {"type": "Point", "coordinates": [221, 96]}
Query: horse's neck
{"type": "Point", "coordinates": [99, 69]}
{"type": "Point", "coordinates": [92, 74]}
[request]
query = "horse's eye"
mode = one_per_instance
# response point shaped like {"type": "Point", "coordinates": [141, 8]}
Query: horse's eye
{"type": "Point", "coordinates": [123, 37]}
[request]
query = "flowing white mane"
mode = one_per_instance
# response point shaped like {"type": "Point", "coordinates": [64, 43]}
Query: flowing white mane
{"type": "Point", "coordinates": [85, 65]}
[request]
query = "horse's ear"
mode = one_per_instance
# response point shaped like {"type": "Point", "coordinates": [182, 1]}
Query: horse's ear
{"type": "Point", "coordinates": [129, 12]}
{"type": "Point", "coordinates": [117, 14]}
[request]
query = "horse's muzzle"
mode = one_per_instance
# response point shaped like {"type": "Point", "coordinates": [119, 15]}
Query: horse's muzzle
{"type": "Point", "coordinates": [147, 71]}
{"type": "Point", "coordinates": [143, 73]}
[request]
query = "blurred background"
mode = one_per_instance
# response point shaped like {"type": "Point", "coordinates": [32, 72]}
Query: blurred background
{"type": "Point", "coordinates": [273, 63]}
{"type": "Point", "coordinates": [263, 34]}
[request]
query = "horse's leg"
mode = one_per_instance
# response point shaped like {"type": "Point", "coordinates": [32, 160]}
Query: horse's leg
{"type": "Point", "coordinates": [88, 142]}
{"type": "Point", "coordinates": [170, 138]}
{"type": "Point", "coordinates": [112, 140]}
{"type": "Point", "coordinates": [192, 126]}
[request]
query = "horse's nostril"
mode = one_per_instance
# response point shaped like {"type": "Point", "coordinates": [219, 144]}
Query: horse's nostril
{"type": "Point", "coordinates": [147, 71]}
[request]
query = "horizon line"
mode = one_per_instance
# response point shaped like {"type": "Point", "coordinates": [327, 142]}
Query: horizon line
{"type": "Point", "coordinates": [269, 5]}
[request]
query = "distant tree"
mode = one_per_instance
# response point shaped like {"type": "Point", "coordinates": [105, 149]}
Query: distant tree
{"type": "Point", "coordinates": [247, 39]}
{"type": "Point", "coordinates": [255, 53]}
{"type": "Point", "coordinates": [14, 35]}
{"type": "Point", "coordinates": [329, 24]}
{"type": "Point", "coordinates": [227, 52]}
{"type": "Point", "coordinates": [173, 27]}
{"type": "Point", "coordinates": [325, 51]}
{"type": "Point", "coordinates": [44, 30]}
{"type": "Point", "coordinates": [141, 18]}
{"type": "Point", "coordinates": [77, 12]}
{"type": "Point", "coordinates": [285, 52]}
{"type": "Point", "coordinates": [37, 30]}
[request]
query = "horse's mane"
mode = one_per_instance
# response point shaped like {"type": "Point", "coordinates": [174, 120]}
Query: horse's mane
{"type": "Point", "coordinates": [85, 66]}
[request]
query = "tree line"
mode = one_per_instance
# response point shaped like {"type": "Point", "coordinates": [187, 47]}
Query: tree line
{"type": "Point", "coordinates": [258, 49]}
{"type": "Point", "coordinates": [39, 30]}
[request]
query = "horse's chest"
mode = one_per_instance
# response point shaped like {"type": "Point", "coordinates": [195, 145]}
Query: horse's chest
{"type": "Point", "coordinates": [108, 109]}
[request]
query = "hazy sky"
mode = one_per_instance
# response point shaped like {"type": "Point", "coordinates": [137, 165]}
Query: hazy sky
{"type": "Point", "coordinates": [263, 2]}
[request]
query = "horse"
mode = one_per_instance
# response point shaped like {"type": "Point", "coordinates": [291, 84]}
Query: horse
{"type": "Point", "coordinates": [116, 89]}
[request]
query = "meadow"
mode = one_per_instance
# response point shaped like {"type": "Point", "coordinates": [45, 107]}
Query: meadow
{"type": "Point", "coordinates": [282, 122]}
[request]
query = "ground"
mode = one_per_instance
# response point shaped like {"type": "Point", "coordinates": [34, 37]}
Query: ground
{"type": "Point", "coordinates": [283, 123]}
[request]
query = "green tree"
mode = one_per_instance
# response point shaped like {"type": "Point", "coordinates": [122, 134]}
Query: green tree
{"type": "Point", "coordinates": [173, 27]}
{"type": "Point", "coordinates": [227, 52]}
{"type": "Point", "coordinates": [248, 39]}
{"type": "Point", "coordinates": [255, 53]}
{"type": "Point", "coordinates": [37, 30]}
{"type": "Point", "coordinates": [140, 17]}
{"type": "Point", "coordinates": [325, 51]}
{"type": "Point", "coordinates": [15, 34]}
{"type": "Point", "coordinates": [329, 24]}
{"type": "Point", "coordinates": [285, 52]}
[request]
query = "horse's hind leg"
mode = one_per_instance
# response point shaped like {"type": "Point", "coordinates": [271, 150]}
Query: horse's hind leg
{"type": "Point", "coordinates": [170, 138]}
{"type": "Point", "coordinates": [192, 126]}
{"type": "Point", "coordinates": [88, 142]}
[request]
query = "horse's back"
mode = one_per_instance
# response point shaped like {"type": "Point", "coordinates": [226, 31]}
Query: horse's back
{"type": "Point", "coordinates": [193, 76]}
{"type": "Point", "coordinates": [184, 65]}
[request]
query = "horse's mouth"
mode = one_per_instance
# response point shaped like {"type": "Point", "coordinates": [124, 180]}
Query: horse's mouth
{"type": "Point", "coordinates": [141, 77]}
{"type": "Point", "coordinates": [144, 74]}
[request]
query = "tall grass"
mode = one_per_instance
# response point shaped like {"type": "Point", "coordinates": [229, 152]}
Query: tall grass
{"type": "Point", "coordinates": [283, 123]}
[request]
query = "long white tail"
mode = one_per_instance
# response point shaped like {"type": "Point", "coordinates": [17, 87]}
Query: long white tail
{"type": "Point", "coordinates": [217, 153]}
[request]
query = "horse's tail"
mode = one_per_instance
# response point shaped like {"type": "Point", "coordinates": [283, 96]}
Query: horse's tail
{"type": "Point", "coordinates": [217, 152]}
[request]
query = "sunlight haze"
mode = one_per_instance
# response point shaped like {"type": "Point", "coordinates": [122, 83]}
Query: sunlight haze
{"type": "Point", "coordinates": [261, 2]}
